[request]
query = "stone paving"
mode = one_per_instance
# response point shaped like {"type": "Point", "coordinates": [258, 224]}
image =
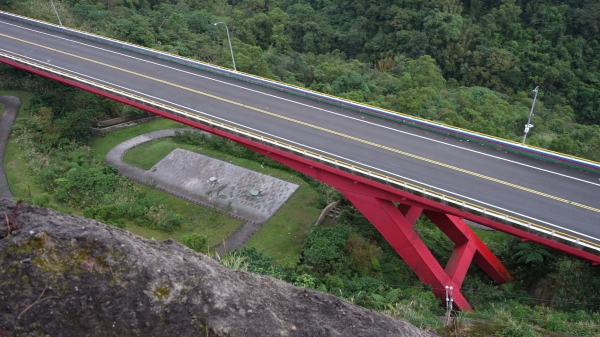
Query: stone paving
{"type": "Point", "coordinates": [11, 109]}
{"type": "Point", "coordinates": [243, 194]}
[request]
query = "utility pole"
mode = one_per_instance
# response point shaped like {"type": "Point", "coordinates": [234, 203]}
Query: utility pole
{"type": "Point", "coordinates": [529, 125]}
{"type": "Point", "coordinates": [55, 12]}
{"type": "Point", "coordinates": [228, 39]}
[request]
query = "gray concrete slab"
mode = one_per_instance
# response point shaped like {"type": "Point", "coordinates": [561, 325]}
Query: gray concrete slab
{"type": "Point", "coordinates": [222, 184]}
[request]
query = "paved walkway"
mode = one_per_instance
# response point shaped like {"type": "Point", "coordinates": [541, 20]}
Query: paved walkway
{"type": "Point", "coordinates": [244, 194]}
{"type": "Point", "coordinates": [11, 109]}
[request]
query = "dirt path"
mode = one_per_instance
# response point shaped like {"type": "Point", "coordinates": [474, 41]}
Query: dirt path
{"type": "Point", "coordinates": [11, 109]}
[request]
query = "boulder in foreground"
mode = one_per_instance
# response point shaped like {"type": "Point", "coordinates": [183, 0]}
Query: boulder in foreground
{"type": "Point", "coordinates": [64, 275]}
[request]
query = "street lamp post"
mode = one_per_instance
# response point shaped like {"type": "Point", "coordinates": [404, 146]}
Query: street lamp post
{"type": "Point", "coordinates": [228, 39]}
{"type": "Point", "coordinates": [529, 125]}
{"type": "Point", "coordinates": [55, 12]}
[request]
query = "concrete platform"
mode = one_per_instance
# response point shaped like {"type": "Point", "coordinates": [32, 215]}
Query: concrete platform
{"type": "Point", "coordinates": [224, 185]}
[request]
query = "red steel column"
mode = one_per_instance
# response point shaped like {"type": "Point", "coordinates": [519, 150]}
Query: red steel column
{"type": "Point", "coordinates": [466, 240]}
{"type": "Point", "coordinates": [399, 232]}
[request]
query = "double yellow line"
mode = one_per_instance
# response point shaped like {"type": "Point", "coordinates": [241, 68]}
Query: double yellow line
{"type": "Point", "coordinates": [320, 128]}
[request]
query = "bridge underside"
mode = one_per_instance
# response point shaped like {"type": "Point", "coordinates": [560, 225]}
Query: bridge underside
{"type": "Point", "coordinates": [392, 211]}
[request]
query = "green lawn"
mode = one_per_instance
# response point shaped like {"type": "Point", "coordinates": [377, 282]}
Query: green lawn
{"type": "Point", "coordinates": [214, 224]}
{"type": "Point", "coordinates": [148, 154]}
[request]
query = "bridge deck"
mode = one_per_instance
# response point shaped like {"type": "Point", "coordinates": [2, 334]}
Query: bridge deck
{"type": "Point", "coordinates": [558, 197]}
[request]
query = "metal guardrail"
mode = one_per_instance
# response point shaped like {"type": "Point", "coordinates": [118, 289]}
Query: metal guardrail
{"type": "Point", "coordinates": [357, 170]}
{"type": "Point", "coordinates": [415, 121]}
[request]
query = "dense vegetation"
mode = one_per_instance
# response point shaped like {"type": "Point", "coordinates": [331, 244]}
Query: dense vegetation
{"type": "Point", "coordinates": [467, 63]}
{"type": "Point", "coordinates": [68, 174]}
{"type": "Point", "coordinates": [470, 64]}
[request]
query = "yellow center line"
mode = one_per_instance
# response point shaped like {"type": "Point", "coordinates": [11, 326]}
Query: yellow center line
{"type": "Point", "coordinates": [454, 168]}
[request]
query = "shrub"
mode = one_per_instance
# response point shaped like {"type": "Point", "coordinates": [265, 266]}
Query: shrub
{"type": "Point", "coordinates": [323, 250]}
{"type": "Point", "coordinates": [41, 200]}
{"type": "Point", "coordinates": [195, 241]}
{"type": "Point", "coordinates": [364, 256]}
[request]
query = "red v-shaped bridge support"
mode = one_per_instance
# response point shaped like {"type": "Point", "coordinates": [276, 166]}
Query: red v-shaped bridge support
{"type": "Point", "coordinates": [396, 224]}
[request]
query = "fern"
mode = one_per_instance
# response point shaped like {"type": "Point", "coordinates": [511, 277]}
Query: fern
{"type": "Point", "coordinates": [532, 254]}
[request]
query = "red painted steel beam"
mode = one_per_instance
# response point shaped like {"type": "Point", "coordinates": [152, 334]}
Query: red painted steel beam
{"type": "Point", "coordinates": [459, 262]}
{"type": "Point", "coordinates": [461, 234]}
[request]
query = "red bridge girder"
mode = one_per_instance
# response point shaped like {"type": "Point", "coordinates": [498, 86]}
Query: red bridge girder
{"type": "Point", "coordinates": [378, 203]}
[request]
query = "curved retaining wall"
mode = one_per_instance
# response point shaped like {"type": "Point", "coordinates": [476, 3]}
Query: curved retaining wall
{"type": "Point", "coordinates": [503, 144]}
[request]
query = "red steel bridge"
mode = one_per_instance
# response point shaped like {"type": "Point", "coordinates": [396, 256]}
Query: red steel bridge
{"type": "Point", "coordinates": [392, 167]}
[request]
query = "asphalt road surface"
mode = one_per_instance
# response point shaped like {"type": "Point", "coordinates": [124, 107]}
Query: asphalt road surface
{"type": "Point", "coordinates": [554, 196]}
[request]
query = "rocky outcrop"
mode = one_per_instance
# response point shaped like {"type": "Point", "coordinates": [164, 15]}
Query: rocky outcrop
{"type": "Point", "coordinates": [63, 275]}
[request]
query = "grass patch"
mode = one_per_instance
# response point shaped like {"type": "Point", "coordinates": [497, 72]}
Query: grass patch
{"type": "Point", "coordinates": [148, 154]}
{"type": "Point", "coordinates": [101, 145]}
{"type": "Point", "coordinates": [20, 180]}
{"type": "Point", "coordinates": [282, 236]}
{"type": "Point", "coordinates": [196, 219]}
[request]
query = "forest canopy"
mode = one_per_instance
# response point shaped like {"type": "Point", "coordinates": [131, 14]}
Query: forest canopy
{"type": "Point", "coordinates": [470, 63]}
